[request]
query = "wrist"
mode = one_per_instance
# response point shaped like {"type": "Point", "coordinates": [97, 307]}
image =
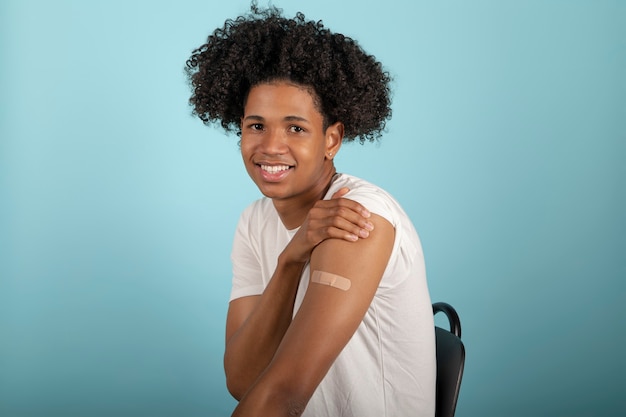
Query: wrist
{"type": "Point", "coordinates": [287, 262]}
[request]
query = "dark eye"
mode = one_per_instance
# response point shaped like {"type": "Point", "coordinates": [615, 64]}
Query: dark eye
{"type": "Point", "coordinates": [296, 129]}
{"type": "Point", "coordinates": [256, 126]}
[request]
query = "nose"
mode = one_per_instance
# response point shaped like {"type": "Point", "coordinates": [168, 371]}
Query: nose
{"type": "Point", "coordinates": [274, 142]}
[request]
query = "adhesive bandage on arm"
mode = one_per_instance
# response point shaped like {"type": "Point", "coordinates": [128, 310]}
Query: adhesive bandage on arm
{"type": "Point", "coordinates": [332, 280]}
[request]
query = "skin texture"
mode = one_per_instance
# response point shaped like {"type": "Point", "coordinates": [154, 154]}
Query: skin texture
{"type": "Point", "coordinates": [281, 127]}
{"type": "Point", "coordinates": [273, 363]}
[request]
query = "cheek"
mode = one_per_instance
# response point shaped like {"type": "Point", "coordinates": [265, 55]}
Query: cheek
{"type": "Point", "coordinates": [245, 147]}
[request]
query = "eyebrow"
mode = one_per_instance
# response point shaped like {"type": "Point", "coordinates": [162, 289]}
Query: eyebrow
{"type": "Point", "coordinates": [286, 118]}
{"type": "Point", "coordinates": [296, 119]}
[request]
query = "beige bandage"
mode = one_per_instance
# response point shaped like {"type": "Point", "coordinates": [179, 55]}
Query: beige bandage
{"type": "Point", "coordinates": [332, 280]}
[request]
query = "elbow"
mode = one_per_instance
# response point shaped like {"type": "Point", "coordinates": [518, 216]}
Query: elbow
{"type": "Point", "coordinates": [235, 380]}
{"type": "Point", "coordinates": [280, 393]}
{"type": "Point", "coordinates": [269, 399]}
{"type": "Point", "coordinates": [235, 388]}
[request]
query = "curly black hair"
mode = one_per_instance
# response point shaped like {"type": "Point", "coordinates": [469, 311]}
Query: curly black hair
{"type": "Point", "coordinates": [350, 85]}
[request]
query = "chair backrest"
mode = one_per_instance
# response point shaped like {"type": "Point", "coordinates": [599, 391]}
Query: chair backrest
{"type": "Point", "coordinates": [450, 361]}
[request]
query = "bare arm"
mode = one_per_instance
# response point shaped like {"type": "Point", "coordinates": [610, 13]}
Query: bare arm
{"type": "Point", "coordinates": [255, 325]}
{"type": "Point", "coordinates": [323, 325]}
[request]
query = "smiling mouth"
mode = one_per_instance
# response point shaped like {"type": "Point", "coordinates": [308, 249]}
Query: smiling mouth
{"type": "Point", "coordinates": [274, 169]}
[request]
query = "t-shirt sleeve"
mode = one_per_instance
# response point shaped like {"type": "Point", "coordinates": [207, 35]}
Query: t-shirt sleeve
{"type": "Point", "coordinates": [404, 251]}
{"type": "Point", "coordinates": [247, 276]}
{"type": "Point", "coordinates": [375, 201]}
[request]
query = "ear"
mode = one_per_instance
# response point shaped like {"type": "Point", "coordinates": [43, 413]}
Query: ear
{"type": "Point", "coordinates": [334, 138]}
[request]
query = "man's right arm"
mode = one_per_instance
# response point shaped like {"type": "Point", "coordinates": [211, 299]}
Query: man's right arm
{"type": "Point", "coordinates": [256, 325]}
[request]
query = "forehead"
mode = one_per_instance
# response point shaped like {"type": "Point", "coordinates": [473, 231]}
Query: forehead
{"type": "Point", "coordinates": [280, 97]}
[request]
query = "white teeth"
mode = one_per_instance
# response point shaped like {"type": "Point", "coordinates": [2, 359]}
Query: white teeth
{"type": "Point", "coordinates": [274, 168]}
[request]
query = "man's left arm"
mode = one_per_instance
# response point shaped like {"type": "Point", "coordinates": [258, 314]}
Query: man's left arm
{"type": "Point", "coordinates": [331, 311]}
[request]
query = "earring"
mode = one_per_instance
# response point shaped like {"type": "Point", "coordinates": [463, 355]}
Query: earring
{"type": "Point", "coordinates": [330, 154]}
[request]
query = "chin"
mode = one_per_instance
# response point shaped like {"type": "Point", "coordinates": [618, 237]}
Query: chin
{"type": "Point", "coordinates": [271, 192]}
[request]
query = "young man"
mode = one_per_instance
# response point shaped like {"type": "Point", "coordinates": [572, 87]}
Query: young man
{"type": "Point", "coordinates": [330, 313]}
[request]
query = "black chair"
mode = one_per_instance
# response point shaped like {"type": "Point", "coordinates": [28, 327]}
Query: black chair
{"type": "Point", "coordinates": [450, 361]}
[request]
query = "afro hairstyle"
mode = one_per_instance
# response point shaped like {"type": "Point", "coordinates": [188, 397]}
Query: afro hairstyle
{"type": "Point", "coordinates": [349, 85]}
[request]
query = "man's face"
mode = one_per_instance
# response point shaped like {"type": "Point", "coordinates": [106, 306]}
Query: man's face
{"type": "Point", "coordinates": [283, 143]}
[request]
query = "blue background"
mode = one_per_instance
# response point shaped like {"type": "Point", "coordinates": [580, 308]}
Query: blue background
{"type": "Point", "coordinates": [117, 207]}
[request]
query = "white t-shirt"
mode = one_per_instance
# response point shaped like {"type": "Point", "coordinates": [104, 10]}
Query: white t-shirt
{"type": "Point", "coordinates": [388, 368]}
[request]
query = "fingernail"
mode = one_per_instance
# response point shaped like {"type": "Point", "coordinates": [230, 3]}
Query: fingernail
{"type": "Point", "coordinates": [365, 213]}
{"type": "Point", "coordinates": [353, 238]}
{"type": "Point", "coordinates": [364, 233]}
{"type": "Point", "coordinates": [369, 226]}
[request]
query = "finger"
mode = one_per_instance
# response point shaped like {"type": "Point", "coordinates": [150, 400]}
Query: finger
{"type": "Point", "coordinates": [349, 227]}
{"type": "Point", "coordinates": [344, 202]}
{"type": "Point", "coordinates": [341, 192]}
{"type": "Point", "coordinates": [353, 225]}
{"type": "Point", "coordinates": [332, 232]}
{"type": "Point", "coordinates": [341, 218]}
{"type": "Point", "coordinates": [350, 234]}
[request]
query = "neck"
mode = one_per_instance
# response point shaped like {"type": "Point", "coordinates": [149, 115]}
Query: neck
{"type": "Point", "coordinates": [293, 211]}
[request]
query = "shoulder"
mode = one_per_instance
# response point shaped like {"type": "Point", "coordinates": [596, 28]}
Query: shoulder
{"type": "Point", "coordinates": [407, 248]}
{"type": "Point", "coordinates": [371, 196]}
